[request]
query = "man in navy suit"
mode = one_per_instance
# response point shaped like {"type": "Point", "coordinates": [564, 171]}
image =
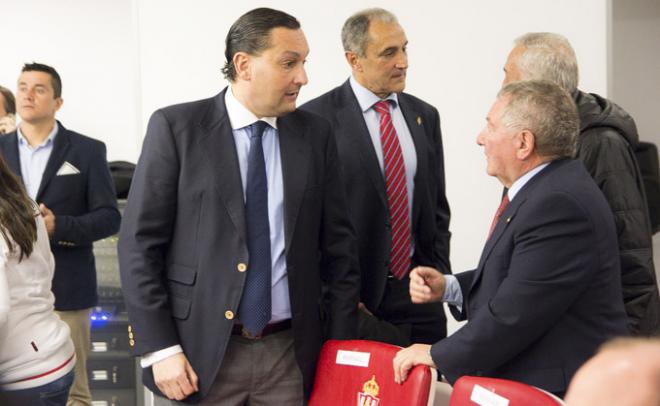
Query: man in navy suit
{"type": "Point", "coordinates": [237, 198]}
{"type": "Point", "coordinates": [547, 291]}
{"type": "Point", "coordinates": [67, 174]}
{"type": "Point", "coordinates": [401, 216]}
{"type": "Point", "coordinates": [606, 145]}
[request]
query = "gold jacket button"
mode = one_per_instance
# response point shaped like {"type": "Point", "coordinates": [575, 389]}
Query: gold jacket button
{"type": "Point", "coordinates": [241, 267]}
{"type": "Point", "coordinates": [229, 314]}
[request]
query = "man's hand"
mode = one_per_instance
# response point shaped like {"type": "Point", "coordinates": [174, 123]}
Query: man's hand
{"type": "Point", "coordinates": [426, 285]}
{"type": "Point", "coordinates": [407, 358]}
{"type": "Point", "coordinates": [175, 377]}
{"type": "Point", "coordinates": [7, 124]}
{"type": "Point", "coordinates": [49, 219]}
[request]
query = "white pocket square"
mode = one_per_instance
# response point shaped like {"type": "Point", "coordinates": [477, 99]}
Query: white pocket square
{"type": "Point", "coordinates": [67, 169]}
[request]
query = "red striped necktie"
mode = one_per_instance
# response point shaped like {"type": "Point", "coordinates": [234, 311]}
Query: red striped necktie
{"type": "Point", "coordinates": [397, 192]}
{"type": "Point", "coordinates": [498, 214]}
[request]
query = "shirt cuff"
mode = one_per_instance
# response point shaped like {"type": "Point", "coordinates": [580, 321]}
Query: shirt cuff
{"type": "Point", "coordinates": [453, 294]}
{"type": "Point", "coordinates": [151, 358]}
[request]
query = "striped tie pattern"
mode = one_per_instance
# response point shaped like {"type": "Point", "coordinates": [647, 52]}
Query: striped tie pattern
{"type": "Point", "coordinates": [397, 193]}
{"type": "Point", "coordinates": [498, 214]}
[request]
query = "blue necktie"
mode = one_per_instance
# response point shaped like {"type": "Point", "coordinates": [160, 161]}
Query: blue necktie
{"type": "Point", "coordinates": [255, 309]}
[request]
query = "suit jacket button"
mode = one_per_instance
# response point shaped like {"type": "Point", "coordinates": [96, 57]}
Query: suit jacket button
{"type": "Point", "coordinates": [229, 315]}
{"type": "Point", "coordinates": [241, 267]}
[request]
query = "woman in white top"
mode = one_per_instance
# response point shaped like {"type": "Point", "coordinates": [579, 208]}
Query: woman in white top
{"type": "Point", "coordinates": [36, 353]}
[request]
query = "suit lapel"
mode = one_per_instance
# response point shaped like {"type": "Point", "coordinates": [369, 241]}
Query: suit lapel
{"type": "Point", "coordinates": [12, 155]}
{"type": "Point", "coordinates": [414, 122]}
{"type": "Point", "coordinates": [295, 154]}
{"type": "Point", "coordinates": [509, 214]}
{"type": "Point", "coordinates": [61, 146]}
{"type": "Point", "coordinates": [351, 119]}
{"type": "Point", "coordinates": [217, 144]}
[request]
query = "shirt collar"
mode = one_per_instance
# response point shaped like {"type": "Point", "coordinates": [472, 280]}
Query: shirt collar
{"type": "Point", "coordinates": [240, 116]}
{"type": "Point", "coordinates": [521, 181]}
{"type": "Point", "coordinates": [366, 98]}
{"type": "Point", "coordinates": [49, 140]}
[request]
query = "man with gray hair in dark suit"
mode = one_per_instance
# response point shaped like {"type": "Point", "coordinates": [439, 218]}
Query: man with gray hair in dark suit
{"type": "Point", "coordinates": [390, 149]}
{"type": "Point", "coordinates": [546, 292]}
{"type": "Point", "coordinates": [606, 144]}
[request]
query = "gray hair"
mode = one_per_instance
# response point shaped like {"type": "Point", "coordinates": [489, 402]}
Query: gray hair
{"type": "Point", "coordinates": [548, 56]}
{"type": "Point", "coordinates": [355, 33]}
{"type": "Point", "coordinates": [545, 109]}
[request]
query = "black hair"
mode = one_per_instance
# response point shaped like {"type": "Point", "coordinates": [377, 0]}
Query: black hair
{"type": "Point", "coordinates": [54, 76]}
{"type": "Point", "coordinates": [251, 34]}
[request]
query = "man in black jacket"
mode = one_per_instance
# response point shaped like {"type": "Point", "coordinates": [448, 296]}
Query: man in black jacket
{"type": "Point", "coordinates": [395, 231]}
{"type": "Point", "coordinates": [608, 137]}
{"type": "Point", "coordinates": [223, 306]}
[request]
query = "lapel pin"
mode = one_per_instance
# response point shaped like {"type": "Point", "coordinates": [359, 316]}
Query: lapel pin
{"type": "Point", "coordinates": [508, 219]}
{"type": "Point", "coordinates": [419, 120]}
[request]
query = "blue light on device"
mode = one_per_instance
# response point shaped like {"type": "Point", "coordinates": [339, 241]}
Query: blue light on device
{"type": "Point", "coordinates": [99, 317]}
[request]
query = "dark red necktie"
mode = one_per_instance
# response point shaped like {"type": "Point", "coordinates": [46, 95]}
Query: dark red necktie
{"type": "Point", "coordinates": [498, 214]}
{"type": "Point", "coordinates": [397, 192]}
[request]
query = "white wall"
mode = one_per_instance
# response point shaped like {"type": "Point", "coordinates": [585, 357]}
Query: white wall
{"type": "Point", "coordinates": [121, 59]}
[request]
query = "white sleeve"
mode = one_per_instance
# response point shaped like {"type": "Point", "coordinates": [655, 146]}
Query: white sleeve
{"type": "Point", "coordinates": [151, 358]}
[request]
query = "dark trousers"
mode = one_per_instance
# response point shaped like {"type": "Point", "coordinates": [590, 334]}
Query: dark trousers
{"type": "Point", "coordinates": [400, 322]}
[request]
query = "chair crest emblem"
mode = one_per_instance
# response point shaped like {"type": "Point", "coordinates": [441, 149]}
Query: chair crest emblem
{"type": "Point", "coordinates": [369, 394]}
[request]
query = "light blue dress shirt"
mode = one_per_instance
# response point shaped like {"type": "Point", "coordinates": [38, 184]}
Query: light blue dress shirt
{"type": "Point", "coordinates": [241, 118]}
{"type": "Point", "coordinates": [34, 159]}
{"type": "Point", "coordinates": [453, 294]}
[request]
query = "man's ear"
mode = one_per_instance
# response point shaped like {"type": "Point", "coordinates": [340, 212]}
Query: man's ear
{"type": "Point", "coordinates": [58, 103]}
{"type": "Point", "coordinates": [241, 61]}
{"type": "Point", "coordinates": [353, 60]}
{"type": "Point", "coordinates": [526, 144]}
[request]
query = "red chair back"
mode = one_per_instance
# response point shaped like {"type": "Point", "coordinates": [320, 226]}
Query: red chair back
{"type": "Point", "coordinates": [472, 390]}
{"type": "Point", "coordinates": [359, 372]}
